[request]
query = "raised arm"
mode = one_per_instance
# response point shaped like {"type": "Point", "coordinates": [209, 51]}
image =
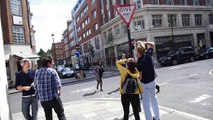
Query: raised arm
{"type": "Point", "coordinates": [119, 65]}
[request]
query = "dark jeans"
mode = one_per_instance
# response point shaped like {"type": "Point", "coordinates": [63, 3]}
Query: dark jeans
{"type": "Point", "coordinates": [56, 104]}
{"type": "Point", "coordinates": [126, 99]}
{"type": "Point", "coordinates": [26, 102]}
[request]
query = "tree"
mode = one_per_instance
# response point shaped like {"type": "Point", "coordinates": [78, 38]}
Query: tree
{"type": "Point", "coordinates": [92, 52]}
{"type": "Point", "coordinates": [41, 53]}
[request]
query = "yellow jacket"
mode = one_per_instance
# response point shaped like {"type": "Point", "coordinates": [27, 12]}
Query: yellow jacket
{"type": "Point", "coordinates": [123, 72]}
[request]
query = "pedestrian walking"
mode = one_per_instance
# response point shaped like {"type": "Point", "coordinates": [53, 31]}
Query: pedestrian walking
{"type": "Point", "coordinates": [24, 83]}
{"type": "Point", "coordinates": [48, 89]}
{"type": "Point", "coordinates": [130, 87]}
{"type": "Point", "coordinates": [98, 71]}
{"type": "Point", "coordinates": [147, 76]}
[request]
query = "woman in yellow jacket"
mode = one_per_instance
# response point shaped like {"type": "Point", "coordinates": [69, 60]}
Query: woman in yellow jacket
{"type": "Point", "coordinates": [130, 87]}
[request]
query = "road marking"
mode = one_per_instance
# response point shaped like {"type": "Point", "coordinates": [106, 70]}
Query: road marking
{"type": "Point", "coordinates": [211, 72]}
{"type": "Point", "coordinates": [200, 98]}
{"type": "Point", "coordinates": [83, 90]}
{"type": "Point", "coordinates": [182, 66]}
{"type": "Point", "coordinates": [184, 113]}
{"type": "Point", "coordinates": [163, 84]}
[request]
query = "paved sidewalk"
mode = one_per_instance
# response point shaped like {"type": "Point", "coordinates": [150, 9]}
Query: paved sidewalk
{"type": "Point", "coordinates": [107, 109]}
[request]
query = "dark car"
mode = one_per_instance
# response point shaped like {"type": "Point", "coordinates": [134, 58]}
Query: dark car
{"type": "Point", "coordinates": [177, 56]}
{"type": "Point", "coordinates": [84, 67]}
{"type": "Point", "coordinates": [206, 53]}
{"type": "Point", "coordinates": [67, 72]}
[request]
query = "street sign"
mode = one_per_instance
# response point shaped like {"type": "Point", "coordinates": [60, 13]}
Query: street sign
{"type": "Point", "coordinates": [126, 12]}
{"type": "Point", "coordinates": [77, 53]}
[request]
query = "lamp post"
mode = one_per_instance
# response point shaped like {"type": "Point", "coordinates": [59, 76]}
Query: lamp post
{"type": "Point", "coordinates": [54, 53]}
{"type": "Point", "coordinates": [172, 23]}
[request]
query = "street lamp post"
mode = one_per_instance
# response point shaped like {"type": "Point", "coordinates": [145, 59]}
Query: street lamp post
{"type": "Point", "coordinates": [172, 23]}
{"type": "Point", "coordinates": [54, 53]}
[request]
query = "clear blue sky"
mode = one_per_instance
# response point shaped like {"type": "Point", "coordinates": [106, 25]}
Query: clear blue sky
{"type": "Point", "coordinates": [50, 16]}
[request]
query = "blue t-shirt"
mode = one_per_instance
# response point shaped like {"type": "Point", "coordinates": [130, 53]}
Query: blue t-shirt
{"type": "Point", "coordinates": [146, 66]}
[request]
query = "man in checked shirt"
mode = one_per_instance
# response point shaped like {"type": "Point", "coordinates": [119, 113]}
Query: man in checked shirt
{"type": "Point", "coordinates": [48, 89]}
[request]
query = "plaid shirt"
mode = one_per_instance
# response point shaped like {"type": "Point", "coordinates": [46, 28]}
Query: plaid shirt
{"type": "Point", "coordinates": [47, 83]}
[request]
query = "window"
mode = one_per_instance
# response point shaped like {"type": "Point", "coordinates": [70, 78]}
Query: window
{"type": "Point", "coordinates": [154, 2]}
{"type": "Point", "coordinates": [85, 9]}
{"type": "Point", "coordinates": [82, 25]}
{"type": "Point", "coordinates": [16, 7]}
{"type": "Point", "coordinates": [89, 31]}
{"type": "Point", "coordinates": [18, 34]}
{"type": "Point", "coordinates": [195, 2]}
{"type": "Point", "coordinates": [183, 2]}
{"type": "Point", "coordinates": [186, 20]}
{"type": "Point", "coordinates": [96, 27]}
{"type": "Point", "coordinates": [77, 19]}
{"type": "Point", "coordinates": [138, 4]}
{"type": "Point", "coordinates": [109, 15]}
{"type": "Point", "coordinates": [105, 36]}
{"type": "Point", "coordinates": [139, 23]}
{"type": "Point", "coordinates": [209, 2]}
{"type": "Point", "coordinates": [170, 2]}
{"type": "Point", "coordinates": [172, 20]}
{"type": "Point", "coordinates": [110, 35]}
{"type": "Point", "coordinates": [117, 30]}
{"type": "Point", "coordinates": [198, 19]}
{"type": "Point", "coordinates": [157, 21]}
{"type": "Point", "coordinates": [94, 14]}
{"type": "Point", "coordinates": [97, 43]}
{"type": "Point", "coordinates": [124, 28]}
{"type": "Point", "coordinates": [210, 18]}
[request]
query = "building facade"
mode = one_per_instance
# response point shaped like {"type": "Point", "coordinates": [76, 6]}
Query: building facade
{"type": "Point", "coordinates": [17, 35]}
{"type": "Point", "coordinates": [168, 23]}
{"type": "Point", "coordinates": [58, 54]}
{"type": "Point", "coordinates": [86, 17]}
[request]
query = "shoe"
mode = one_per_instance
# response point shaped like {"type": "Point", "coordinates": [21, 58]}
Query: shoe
{"type": "Point", "coordinates": [101, 90]}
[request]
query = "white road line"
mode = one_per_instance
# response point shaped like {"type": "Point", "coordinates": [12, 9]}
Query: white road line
{"type": "Point", "coordinates": [200, 98]}
{"type": "Point", "coordinates": [83, 90]}
{"type": "Point", "coordinates": [185, 114]}
{"type": "Point", "coordinates": [182, 66]}
{"type": "Point", "coordinates": [211, 72]}
{"type": "Point", "coordinates": [163, 84]}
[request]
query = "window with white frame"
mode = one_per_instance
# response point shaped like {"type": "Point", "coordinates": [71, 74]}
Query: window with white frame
{"type": "Point", "coordinates": [138, 4]}
{"type": "Point", "coordinates": [109, 15]}
{"type": "Point", "coordinates": [139, 23]}
{"type": "Point", "coordinates": [209, 2]}
{"type": "Point", "coordinates": [96, 27]}
{"type": "Point", "coordinates": [105, 36]}
{"type": "Point", "coordinates": [117, 30]}
{"type": "Point", "coordinates": [170, 2]}
{"type": "Point", "coordinates": [198, 19]}
{"type": "Point", "coordinates": [172, 20]}
{"type": "Point", "coordinates": [124, 28]}
{"type": "Point", "coordinates": [185, 19]}
{"type": "Point", "coordinates": [157, 21]}
{"type": "Point", "coordinates": [94, 14]}
{"type": "Point", "coordinates": [18, 34]}
{"type": "Point", "coordinates": [210, 18]}
{"type": "Point", "coordinates": [97, 43]}
{"type": "Point", "coordinates": [154, 2]}
{"type": "Point", "coordinates": [82, 25]}
{"type": "Point", "coordinates": [15, 6]}
{"type": "Point", "coordinates": [85, 9]}
{"type": "Point", "coordinates": [195, 2]}
{"type": "Point", "coordinates": [183, 2]}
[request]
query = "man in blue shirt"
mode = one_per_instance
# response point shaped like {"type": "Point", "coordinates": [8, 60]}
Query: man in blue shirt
{"type": "Point", "coordinates": [48, 89]}
{"type": "Point", "coordinates": [147, 74]}
{"type": "Point", "coordinates": [24, 83]}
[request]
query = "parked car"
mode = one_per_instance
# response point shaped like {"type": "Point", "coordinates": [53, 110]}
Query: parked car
{"type": "Point", "coordinates": [177, 56]}
{"type": "Point", "coordinates": [84, 67]}
{"type": "Point", "coordinates": [206, 53]}
{"type": "Point", "coordinates": [67, 72]}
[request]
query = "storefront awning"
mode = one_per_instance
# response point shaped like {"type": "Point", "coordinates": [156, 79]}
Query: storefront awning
{"type": "Point", "coordinates": [29, 56]}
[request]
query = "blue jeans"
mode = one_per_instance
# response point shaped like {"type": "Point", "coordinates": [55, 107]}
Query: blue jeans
{"type": "Point", "coordinates": [26, 102]}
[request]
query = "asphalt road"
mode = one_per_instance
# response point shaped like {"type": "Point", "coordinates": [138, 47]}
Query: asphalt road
{"type": "Point", "coordinates": [187, 88]}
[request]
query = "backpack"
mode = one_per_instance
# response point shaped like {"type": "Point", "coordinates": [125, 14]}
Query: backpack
{"type": "Point", "coordinates": [130, 85]}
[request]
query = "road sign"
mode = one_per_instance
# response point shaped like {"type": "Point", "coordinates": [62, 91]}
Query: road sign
{"type": "Point", "coordinates": [126, 12]}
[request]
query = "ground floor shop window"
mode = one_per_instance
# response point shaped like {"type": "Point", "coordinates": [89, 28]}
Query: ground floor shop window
{"type": "Point", "coordinates": [201, 40]}
{"type": "Point", "coordinates": [8, 70]}
{"type": "Point", "coordinates": [122, 48]}
{"type": "Point", "coordinates": [164, 44]}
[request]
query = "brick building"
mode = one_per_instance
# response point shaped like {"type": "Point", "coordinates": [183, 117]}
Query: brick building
{"type": "Point", "coordinates": [86, 16]}
{"type": "Point", "coordinates": [18, 35]}
{"type": "Point", "coordinates": [58, 52]}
